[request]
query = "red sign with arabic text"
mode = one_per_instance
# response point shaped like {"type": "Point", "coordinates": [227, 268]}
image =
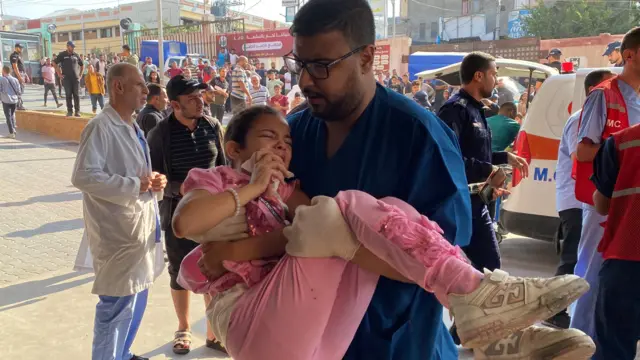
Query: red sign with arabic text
{"type": "Point", "coordinates": [258, 44]}
{"type": "Point", "coordinates": [381, 58]}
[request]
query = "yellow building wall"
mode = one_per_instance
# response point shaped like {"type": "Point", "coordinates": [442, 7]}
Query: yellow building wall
{"type": "Point", "coordinates": [191, 15]}
{"type": "Point", "coordinates": [110, 44]}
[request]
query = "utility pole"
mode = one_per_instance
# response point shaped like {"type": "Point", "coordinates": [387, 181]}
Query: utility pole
{"type": "Point", "coordinates": [160, 40]}
{"type": "Point", "coordinates": [385, 21]}
{"type": "Point", "coordinates": [496, 36]}
{"type": "Point", "coordinates": [393, 10]}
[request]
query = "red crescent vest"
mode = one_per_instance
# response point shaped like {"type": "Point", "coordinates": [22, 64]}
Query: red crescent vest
{"type": "Point", "coordinates": [617, 119]}
{"type": "Point", "coordinates": [620, 240]}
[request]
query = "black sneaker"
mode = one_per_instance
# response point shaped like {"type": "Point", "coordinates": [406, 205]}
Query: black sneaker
{"type": "Point", "coordinates": [216, 345]}
{"type": "Point", "coordinates": [69, 114]}
{"type": "Point", "coordinates": [453, 331]}
{"type": "Point", "coordinates": [77, 114]}
{"type": "Point", "coordinates": [561, 320]}
{"type": "Point", "coordinates": [136, 357]}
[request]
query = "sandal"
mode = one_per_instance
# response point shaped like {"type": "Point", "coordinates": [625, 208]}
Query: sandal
{"type": "Point", "coordinates": [182, 342]}
{"type": "Point", "coordinates": [216, 345]}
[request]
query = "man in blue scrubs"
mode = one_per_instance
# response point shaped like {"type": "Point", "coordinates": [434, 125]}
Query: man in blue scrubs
{"type": "Point", "coordinates": [359, 135]}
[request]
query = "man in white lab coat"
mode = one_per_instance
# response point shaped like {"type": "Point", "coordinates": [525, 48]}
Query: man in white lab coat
{"type": "Point", "coordinates": [120, 192]}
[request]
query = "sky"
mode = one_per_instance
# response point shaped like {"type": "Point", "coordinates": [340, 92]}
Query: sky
{"type": "Point", "coordinates": [33, 9]}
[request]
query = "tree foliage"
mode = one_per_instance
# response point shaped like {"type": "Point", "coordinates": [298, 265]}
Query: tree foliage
{"type": "Point", "coordinates": [579, 18]}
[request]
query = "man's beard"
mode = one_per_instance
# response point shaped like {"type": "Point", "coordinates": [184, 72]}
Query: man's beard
{"type": "Point", "coordinates": [337, 111]}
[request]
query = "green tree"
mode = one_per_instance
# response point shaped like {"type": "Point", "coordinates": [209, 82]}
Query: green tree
{"type": "Point", "coordinates": [579, 18]}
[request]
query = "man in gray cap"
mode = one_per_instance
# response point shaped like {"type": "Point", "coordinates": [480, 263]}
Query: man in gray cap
{"type": "Point", "coordinates": [554, 59]}
{"type": "Point", "coordinates": [613, 53]}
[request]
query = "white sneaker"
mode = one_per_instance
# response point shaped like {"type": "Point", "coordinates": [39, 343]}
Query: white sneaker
{"type": "Point", "coordinates": [539, 343]}
{"type": "Point", "coordinates": [11, 136]}
{"type": "Point", "coordinates": [504, 304]}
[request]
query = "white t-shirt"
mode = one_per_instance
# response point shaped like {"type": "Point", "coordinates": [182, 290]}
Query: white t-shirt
{"type": "Point", "coordinates": [233, 59]}
{"type": "Point", "coordinates": [287, 81]}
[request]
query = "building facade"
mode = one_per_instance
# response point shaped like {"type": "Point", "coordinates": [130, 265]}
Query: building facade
{"type": "Point", "coordinates": [430, 21]}
{"type": "Point", "coordinates": [98, 31]}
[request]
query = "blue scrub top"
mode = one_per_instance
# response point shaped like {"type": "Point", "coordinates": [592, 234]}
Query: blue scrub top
{"type": "Point", "coordinates": [396, 148]}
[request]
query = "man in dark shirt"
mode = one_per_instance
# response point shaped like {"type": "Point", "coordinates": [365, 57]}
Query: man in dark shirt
{"type": "Point", "coordinates": [153, 112]}
{"type": "Point", "coordinates": [464, 114]}
{"type": "Point", "coordinates": [396, 85]}
{"type": "Point", "coordinates": [440, 87]}
{"type": "Point", "coordinates": [18, 70]}
{"type": "Point", "coordinates": [554, 59]}
{"type": "Point", "coordinates": [185, 140]}
{"type": "Point", "coordinates": [612, 52]}
{"type": "Point", "coordinates": [221, 89]}
{"type": "Point", "coordinates": [70, 67]}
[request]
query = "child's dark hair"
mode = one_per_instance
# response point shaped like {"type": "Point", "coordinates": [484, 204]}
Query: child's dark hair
{"type": "Point", "coordinates": [242, 122]}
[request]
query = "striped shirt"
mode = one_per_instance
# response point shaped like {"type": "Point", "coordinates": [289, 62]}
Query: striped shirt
{"type": "Point", "coordinates": [190, 150]}
{"type": "Point", "coordinates": [237, 76]}
{"type": "Point", "coordinates": [259, 96]}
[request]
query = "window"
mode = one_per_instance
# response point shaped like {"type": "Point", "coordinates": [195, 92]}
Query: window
{"type": "Point", "coordinates": [7, 49]}
{"type": "Point", "coordinates": [423, 31]}
{"type": "Point", "coordinates": [477, 6]}
{"type": "Point", "coordinates": [117, 31]}
{"type": "Point", "coordinates": [106, 33]}
{"type": "Point", "coordinates": [465, 7]}
{"type": "Point", "coordinates": [434, 30]}
{"type": "Point", "coordinates": [33, 53]}
{"type": "Point", "coordinates": [63, 37]}
{"type": "Point", "coordinates": [76, 35]}
{"type": "Point", "coordinates": [90, 34]}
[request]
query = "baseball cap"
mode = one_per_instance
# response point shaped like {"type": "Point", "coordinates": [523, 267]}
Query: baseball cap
{"type": "Point", "coordinates": [611, 47]}
{"type": "Point", "coordinates": [421, 98]}
{"type": "Point", "coordinates": [179, 85]}
{"type": "Point", "coordinates": [18, 45]}
{"type": "Point", "coordinates": [554, 52]}
{"type": "Point", "coordinates": [70, 43]}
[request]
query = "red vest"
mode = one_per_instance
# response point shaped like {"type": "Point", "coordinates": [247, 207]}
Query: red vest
{"type": "Point", "coordinates": [617, 119]}
{"type": "Point", "coordinates": [620, 240]}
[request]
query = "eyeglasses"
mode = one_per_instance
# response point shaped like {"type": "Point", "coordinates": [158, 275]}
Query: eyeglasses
{"type": "Point", "coordinates": [316, 70]}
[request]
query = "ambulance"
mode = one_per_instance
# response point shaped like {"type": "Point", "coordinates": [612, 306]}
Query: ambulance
{"type": "Point", "coordinates": [530, 210]}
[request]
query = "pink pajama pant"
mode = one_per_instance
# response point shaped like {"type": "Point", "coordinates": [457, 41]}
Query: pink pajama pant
{"type": "Point", "coordinates": [310, 308]}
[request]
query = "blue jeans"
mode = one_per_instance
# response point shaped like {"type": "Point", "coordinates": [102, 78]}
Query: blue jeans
{"type": "Point", "coordinates": [97, 98]}
{"type": "Point", "coordinates": [618, 310]}
{"type": "Point", "coordinates": [116, 325]}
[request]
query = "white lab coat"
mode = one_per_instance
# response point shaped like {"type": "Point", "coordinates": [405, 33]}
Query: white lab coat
{"type": "Point", "coordinates": [120, 223]}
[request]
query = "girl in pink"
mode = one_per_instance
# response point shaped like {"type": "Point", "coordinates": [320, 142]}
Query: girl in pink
{"type": "Point", "coordinates": [302, 295]}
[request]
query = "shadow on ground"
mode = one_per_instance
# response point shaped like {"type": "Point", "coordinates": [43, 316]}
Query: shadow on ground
{"type": "Point", "coordinates": [30, 292]}
{"type": "Point", "coordinates": [49, 228]}
{"type": "Point", "coordinates": [50, 198]}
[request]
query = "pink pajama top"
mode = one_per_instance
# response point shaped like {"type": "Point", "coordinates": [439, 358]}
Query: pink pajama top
{"type": "Point", "coordinates": [264, 214]}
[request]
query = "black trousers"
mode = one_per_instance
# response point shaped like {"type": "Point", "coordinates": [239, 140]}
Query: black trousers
{"type": "Point", "coordinates": [568, 239]}
{"type": "Point", "coordinates": [177, 249]}
{"type": "Point", "coordinates": [483, 250]}
{"type": "Point", "coordinates": [71, 90]}
{"type": "Point", "coordinates": [52, 88]}
{"type": "Point", "coordinates": [618, 310]}
{"type": "Point", "coordinates": [217, 111]}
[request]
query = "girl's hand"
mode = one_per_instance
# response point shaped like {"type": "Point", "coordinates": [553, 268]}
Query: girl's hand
{"type": "Point", "coordinates": [268, 167]}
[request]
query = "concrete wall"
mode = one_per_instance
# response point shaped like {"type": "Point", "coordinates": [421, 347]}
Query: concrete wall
{"type": "Point", "coordinates": [425, 18]}
{"type": "Point", "coordinates": [51, 124]}
{"type": "Point", "coordinates": [590, 49]}
{"type": "Point", "coordinates": [399, 48]}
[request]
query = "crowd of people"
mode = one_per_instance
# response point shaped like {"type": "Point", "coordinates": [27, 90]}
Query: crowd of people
{"type": "Point", "coordinates": [312, 227]}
